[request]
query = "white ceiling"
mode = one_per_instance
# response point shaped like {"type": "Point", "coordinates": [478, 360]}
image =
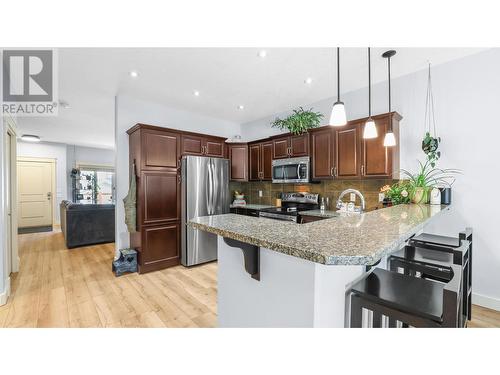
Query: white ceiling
{"type": "Point", "coordinates": [89, 78]}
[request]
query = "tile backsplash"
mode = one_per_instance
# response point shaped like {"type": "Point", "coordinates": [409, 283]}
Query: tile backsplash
{"type": "Point", "coordinates": [330, 189]}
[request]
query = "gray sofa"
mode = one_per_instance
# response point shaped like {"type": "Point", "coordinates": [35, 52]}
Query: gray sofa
{"type": "Point", "coordinates": [87, 224]}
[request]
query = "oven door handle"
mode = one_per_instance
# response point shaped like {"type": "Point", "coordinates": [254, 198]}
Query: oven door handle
{"type": "Point", "coordinates": [298, 171]}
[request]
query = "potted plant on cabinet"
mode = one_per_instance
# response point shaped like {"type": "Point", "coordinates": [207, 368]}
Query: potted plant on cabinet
{"type": "Point", "coordinates": [299, 122]}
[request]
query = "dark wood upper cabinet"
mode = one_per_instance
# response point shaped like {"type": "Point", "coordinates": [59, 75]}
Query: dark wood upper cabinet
{"type": "Point", "coordinates": [377, 159]}
{"type": "Point", "coordinates": [347, 152]}
{"type": "Point", "coordinates": [254, 161]}
{"type": "Point", "coordinates": [160, 150]}
{"type": "Point", "coordinates": [192, 145]}
{"type": "Point", "coordinates": [214, 147]}
{"type": "Point", "coordinates": [238, 162]}
{"type": "Point", "coordinates": [267, 161]}
{"type": "Point", "coordinates": [281, 148]}
{"type": "Point", "coordinates": [260, 158]}
{"type": "Point", "coordinates": [291, 146]}
{"type": "Point", "coordinates": [299, 145]}
{"type": "Point", "coordinates": [202, 146]}
{"type": "Point", "coordinates": [322, 153]}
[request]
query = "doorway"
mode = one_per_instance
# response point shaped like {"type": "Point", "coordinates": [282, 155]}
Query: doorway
{"type": "Point", "coordinates": [36, 187]}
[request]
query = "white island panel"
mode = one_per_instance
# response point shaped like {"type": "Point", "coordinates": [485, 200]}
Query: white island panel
{"type": "Point", "coordinates": [292, 292]}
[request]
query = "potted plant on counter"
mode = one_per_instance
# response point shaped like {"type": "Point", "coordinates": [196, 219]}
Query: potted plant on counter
{"type": "Point", "coordinates": [398, 193]}
{"type": "Point", "coordinates": [427, 177]}
{"type": "Point", "coordinates": [299, 122]}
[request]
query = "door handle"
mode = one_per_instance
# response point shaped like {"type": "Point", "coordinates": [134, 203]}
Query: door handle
{"type": "Point", "coordinates": [362, 170]}
{"type": "Point", "coordinates": [332, 172]}
{"type": "Point", "coordinates": [49, 195]}
{"type": "Point", "coordinates": [335, 171]}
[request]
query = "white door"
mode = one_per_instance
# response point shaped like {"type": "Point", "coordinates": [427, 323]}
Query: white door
{"type": "Point", "coordinates": [35, 193]}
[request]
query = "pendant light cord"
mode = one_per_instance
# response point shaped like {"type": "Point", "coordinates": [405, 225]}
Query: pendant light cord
{"type": "Point", "coordinates": [429, 106]}
{"type": "Point", "coordinates": [369, 85]}
{"type": "Point", "coordinates": [338, 74]}
{"type": "Point", "coordinates": [389, 74]}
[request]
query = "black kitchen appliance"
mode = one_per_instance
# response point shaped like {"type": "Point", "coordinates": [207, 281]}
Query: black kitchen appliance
{"type": "Point", "coordinates": [291, 205]}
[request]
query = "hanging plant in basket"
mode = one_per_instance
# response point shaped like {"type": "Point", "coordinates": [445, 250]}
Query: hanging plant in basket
{"type": "Point", "coordinates": [430, 143]}
{"type": "Point", "coordinates": [299, 122]}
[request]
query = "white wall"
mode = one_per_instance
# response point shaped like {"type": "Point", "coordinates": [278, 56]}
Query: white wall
{"type": "Point", "coordinates": [467, 98]}
{"type": "Point", "coordinates": [130, 111]}
{"type": "Point", "coordinates": [54, 151]}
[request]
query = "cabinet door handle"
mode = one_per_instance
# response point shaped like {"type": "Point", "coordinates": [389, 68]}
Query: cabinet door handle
{"type": "Point", "coordinates": [335, 171]}
{"type": "Point", "coordinates": [179, 179]}
{"type": "Point", "coordinates": [332, 173]}
{"type": "Point", "coordinates": [362, 170]}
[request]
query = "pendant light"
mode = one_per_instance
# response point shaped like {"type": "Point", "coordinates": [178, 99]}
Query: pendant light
{"type": "Point", "coordinates": [370, 130]}
{"type": "Point", "coordinates": [338, 117]}
{"type": "Point", "coordinates": [389, 139]}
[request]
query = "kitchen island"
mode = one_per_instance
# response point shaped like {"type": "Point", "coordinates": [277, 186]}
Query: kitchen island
{"type": "Point", "coordinates": [274, 273]}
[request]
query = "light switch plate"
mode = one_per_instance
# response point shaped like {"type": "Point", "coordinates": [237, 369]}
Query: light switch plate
{"type": "Point", "coordinates": [381, 197]}
{"type": "Point", "coordinates": [260, 193]}
{"type": "Point", "coordinates": [353, 197]}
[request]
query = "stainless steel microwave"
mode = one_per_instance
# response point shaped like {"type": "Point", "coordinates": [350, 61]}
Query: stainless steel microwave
{"type": "Point", "coordinates": [291, 170]}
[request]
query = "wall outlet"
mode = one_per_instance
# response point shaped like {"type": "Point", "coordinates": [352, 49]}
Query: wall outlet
{"type": "Point", "coordinates": [260, 193]}
{"type": "Point", "coordinates": [353, 197]}
{"type": "Point", "coordinates": [381, 197]}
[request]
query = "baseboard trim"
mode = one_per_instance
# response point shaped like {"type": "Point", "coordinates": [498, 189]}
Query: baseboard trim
{"type": "Point", "coordinates": [4, 296]}
{"type": "Point", "coordinates": [485, 301]}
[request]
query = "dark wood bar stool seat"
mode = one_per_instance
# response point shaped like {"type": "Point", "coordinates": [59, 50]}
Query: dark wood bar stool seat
{"type": "Point", "coordinates": [415, 301]}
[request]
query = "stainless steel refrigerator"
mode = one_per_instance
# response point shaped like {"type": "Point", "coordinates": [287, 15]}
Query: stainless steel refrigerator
{"type": "Point", "coordinates": [205, 192]}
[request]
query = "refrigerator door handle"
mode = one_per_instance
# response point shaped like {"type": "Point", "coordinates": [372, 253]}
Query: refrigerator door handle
{"type": "Point", "coordinates": [209, 188]}
{"type": "Point", "coordinates": [216, 168]}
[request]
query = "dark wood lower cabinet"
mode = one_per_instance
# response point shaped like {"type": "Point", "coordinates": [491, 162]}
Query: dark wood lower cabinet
{"type": "Point", "coordinates": [160, 247]}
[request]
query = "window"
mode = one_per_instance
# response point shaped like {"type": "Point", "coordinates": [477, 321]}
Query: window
{"type": "Point", "coordinates": [94, 184]}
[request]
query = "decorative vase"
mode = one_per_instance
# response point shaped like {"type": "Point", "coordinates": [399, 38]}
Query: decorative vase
{"type": "Point", "coordinates": [435, 196]}
{"type": "Point", "coordinates": [420, 195]}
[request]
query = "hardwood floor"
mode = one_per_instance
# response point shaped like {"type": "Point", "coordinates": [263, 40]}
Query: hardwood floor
{"type": "Point", "coordinates": [57, 287]}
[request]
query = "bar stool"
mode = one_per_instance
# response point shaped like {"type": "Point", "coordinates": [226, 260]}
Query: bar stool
{"type": "Point", "coordinates": [415, 301]}
{"type": "Point", "coordinates": [432, 252]}
{"type": "Point", "coordinates": [426, 240]}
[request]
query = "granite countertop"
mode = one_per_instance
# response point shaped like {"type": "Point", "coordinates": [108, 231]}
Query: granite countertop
{"type": "Point", "coordinates": [360, 239]}
{"type": "Point", "coordinates": [252, 206]}
{"type": "Point", "coordinates": [319, 213]}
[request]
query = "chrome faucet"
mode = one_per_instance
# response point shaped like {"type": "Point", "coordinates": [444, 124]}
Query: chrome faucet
{"type": "Point", "coordinates": [348, 191]}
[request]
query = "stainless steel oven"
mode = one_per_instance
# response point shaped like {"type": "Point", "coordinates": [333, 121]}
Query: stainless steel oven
{"type": "Point", "coordinates": [291, 170]}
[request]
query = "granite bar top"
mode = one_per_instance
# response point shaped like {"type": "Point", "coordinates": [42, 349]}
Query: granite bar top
{"type": "Point", "coordinates": [319, 213]}
{"type": "Point", "coordinates": [251, 206]}
{"type": "Point", "coordinates": [360, 239]}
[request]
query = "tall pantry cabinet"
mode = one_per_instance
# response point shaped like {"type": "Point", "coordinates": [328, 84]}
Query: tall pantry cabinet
{"type": "Point", "coordinates": [156, 157]}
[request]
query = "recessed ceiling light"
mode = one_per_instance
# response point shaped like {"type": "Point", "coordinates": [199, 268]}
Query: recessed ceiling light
{"type": "Point", "coordinates": [308, 80]}
{"type": "Point", "coordinates": [134, 74]}
{"type": "Point", "coordinates": [30, 138]}
{"type": "Point", "coordinates": [262, 53]}
{"type": "Point", "coordinates": [196, 93]}
{"type": "Point", "coordinates": [241, 107]}
{"type": "Point", "coordinates": [64, 104]}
